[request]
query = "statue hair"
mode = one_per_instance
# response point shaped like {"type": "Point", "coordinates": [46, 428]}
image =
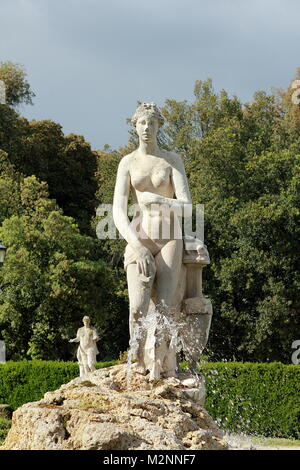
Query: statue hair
{"type": "Point", "coordinates": [148, 109]}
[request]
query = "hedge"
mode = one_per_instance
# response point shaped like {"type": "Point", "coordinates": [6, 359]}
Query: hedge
{"type": "Point", "coordinates": [254, 398]}
{"type": "Point", "coordinates": [26, 381]}
{"type": "Point", "coordinates": [250, 398]}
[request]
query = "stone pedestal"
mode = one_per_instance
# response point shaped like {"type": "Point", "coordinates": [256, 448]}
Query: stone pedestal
{"type": "Point", "coordinates": [196, 309]}
{"type": "Point", "coordinates": [101, 413]}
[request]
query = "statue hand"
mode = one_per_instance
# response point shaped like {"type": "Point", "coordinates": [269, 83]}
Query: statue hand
{"type": "Point", "coordinates": [144, 261]}
{"type": "Point", "coordinates": [148, 198]}
{"type": "Point", "coordinates": [200, 246]}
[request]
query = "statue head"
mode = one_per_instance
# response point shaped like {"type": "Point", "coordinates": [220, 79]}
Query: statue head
{"type": "Point", "coordinates": [147, 119]}
{"type": "Point", "coordinates": [147, 110]}
{"type": "Point", "coordinates": [86, 320]}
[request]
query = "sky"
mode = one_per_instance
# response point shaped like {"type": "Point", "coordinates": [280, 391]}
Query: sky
{"type": "Point", "coordinates": [90, 61]}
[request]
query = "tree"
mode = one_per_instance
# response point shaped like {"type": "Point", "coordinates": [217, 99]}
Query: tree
{"type": "Point", "coordinates": [52, 277]}
{"type": "Point", "coordinates": [66, 163]}
{"type": "Point", "coordinates": [10, 201]}
{"type": "Point", "coordinates": [17, 88]}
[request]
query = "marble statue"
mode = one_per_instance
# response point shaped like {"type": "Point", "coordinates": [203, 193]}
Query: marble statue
{"type": "Point", "coordinates": [164, 268]}
{"type": "Point", "coordinates": [87, 351]}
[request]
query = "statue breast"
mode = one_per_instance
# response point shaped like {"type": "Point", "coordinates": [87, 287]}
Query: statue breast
{"type": "Point", "coordinates": [149, 178]}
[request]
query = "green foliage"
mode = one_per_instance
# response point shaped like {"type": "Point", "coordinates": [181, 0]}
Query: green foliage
{"type": "Point", "coordinates": [5, 425]}
{"type": "Point", "coordinates": [51, 278]}
{"type": "Point", "coordinates": [66, 163]}
{"type": "Point", "coordinates": [253, 398]}
{"type": "Point", "coordinates": [10, 202]}
{"type": "Point", "coordinates": [243, 165]}
{"type": "Point", "coordinates": [17, 87]}
{"type": "Point", "coordinates": [31, 379]}
{"type": "Point", "coordinates": [123, 357]}
{"type": "Point", "coordinates": [21, 382]}
{"type": "Point", "coordinates": [113, 250]}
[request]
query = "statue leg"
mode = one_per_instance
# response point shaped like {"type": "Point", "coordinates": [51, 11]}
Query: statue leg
{"type": "Point", "coordinates": [168, 268]}
{"type": "Point", "coordinates": [81, 363]}
{"type": "Point", "coordinates": [91, 360]}
{"type": "Point", "coordinates": [168, 272]}
{"type": "Point", "coordinates": [139, 299]}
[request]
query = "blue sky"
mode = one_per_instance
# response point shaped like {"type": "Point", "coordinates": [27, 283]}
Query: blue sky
{"type": "Point", "coordinates": [89, 61]}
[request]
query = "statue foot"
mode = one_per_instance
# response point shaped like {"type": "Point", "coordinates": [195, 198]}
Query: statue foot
{"type": "Point", "coordinates": [155, 374]}
{"type": "Point", "coordinates": [138, 368]}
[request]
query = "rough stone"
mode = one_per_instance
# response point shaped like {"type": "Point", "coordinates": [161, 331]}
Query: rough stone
{"type": "Point", "coordinates": [105, 412]}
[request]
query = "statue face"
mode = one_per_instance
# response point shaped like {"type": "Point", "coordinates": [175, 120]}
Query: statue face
{"type": "Point", "coordinates": [147, 128]}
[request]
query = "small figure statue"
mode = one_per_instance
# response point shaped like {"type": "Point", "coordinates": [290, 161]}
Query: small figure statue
{"type": "Point", "coordinates": [87, 350]}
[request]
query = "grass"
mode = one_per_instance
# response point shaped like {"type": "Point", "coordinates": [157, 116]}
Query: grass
{"type": "Point", "coordinates": [275, 441]}
{"type": "Point", "coordinates": [263, 441]}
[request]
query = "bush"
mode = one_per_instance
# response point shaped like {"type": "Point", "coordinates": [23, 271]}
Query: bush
{"type": "Point", "coordinates": [254, 398]}
{"type": "Point", "coordinates": [5, 425]}
{"type": "Point", "coordinates": [26, 381]}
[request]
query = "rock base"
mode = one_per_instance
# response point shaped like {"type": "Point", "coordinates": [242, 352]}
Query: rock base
{"type": "Point", "coordinates": [104, 411]}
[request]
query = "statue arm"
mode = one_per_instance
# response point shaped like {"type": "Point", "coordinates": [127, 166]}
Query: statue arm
{"type": "Point", "coordinates": [143, 256]}
{"type": "Point", "coordinates": [120, 205]}
{"type": "Point", "coordinates": [95, 335]}
{"type": "Point", "coordinates": [75, 340]}
{"type": "Point", "coordinates": [181, 186]}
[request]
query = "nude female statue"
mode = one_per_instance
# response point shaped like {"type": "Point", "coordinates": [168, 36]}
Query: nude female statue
{"type": "Point", "coordinates": [153, 261]}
